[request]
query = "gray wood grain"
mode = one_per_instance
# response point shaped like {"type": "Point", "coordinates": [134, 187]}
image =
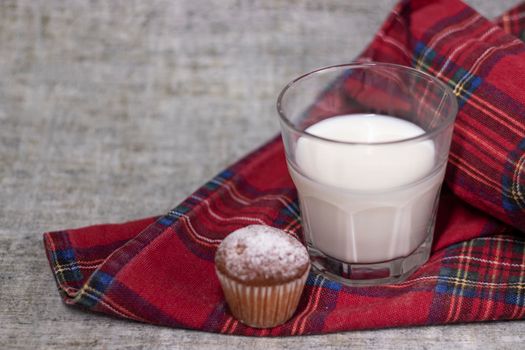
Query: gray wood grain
{"type": "Point", "coordinates": [114, 110]}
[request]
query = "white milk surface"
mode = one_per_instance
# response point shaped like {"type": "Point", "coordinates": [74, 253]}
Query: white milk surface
{"type": "Point", "coordinates": [365, 203]}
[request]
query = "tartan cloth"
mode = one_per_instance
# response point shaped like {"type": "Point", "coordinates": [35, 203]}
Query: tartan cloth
{"type": "Point", "coordinates": [160, 270]}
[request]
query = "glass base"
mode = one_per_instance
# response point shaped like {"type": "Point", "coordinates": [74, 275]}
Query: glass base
{"type": "Point", "coordinates": [370, 274]}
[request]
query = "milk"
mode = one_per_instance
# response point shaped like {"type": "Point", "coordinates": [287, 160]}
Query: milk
{"type": "Point", "coordinates": [365, 203]}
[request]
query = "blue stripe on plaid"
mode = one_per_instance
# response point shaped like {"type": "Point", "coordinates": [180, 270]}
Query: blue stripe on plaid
{"type": "Point", "coordinates": [516, 296]}
{"type": "Point", "coordinates": [292, 209]}
{"type": "Point", "coordinates": [515, 202]}
{"type": "Point", "coordinates": [217, 318]}
{"type": "Point", "coordinates": [218, 180]}
{"type": "Point", "coordinates": [315, 280]}
{"type": "Point", "coordinates": [473, 279]}
{"type": "Point", "coordinates": [203, 193]}
{"type": "Point", "coordinates": [463, 82]}
{"type": "Point", "coordinates": [290, 213]}
{"type": "Point", "coordinates": [88, 299]}
{"type": "Point", "coordinates": [66, 267]}
{"type": "Point", "coordinates": [174, 214]}
{"type": "Point", "coordinates": [64, 256]}
{"type": "Point", "coordinates": [100, 281]}
{"type": "Point", "coordinates": [462, 276]}
{"type": "Point", "coordinates": [91, 294]}
{"type": "Point", "coordinates": [328, 296]}
{"type": "Point", "coordinates": [188, 204]}
{"type": "Point", "coordinates": [447, 284]}
{"type": "Point", "coordinates": [65, 264]}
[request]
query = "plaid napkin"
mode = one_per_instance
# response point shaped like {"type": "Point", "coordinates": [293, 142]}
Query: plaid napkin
{"type": "Point", "coordinates": [160, 270]}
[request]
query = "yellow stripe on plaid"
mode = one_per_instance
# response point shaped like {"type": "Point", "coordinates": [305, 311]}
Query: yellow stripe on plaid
{"type": "Point", "coordinates": [519, 170]}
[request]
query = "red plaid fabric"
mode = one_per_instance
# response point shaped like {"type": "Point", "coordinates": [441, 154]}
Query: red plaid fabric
{"type": "Point", "coordinates": [160, 270]}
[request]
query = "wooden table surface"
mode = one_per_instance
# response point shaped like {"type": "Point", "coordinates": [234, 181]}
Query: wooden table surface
{"type": "Point", "coordinates": [114, 110]}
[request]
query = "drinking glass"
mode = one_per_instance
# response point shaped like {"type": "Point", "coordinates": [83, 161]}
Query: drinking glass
{"type": "Point", "coordinates": [369, 184]}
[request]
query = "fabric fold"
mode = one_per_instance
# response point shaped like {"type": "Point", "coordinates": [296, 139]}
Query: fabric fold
{"type": "Point", "coordinates": [476, 58]}
{"type": "Point", "coordinates": [160, 270]}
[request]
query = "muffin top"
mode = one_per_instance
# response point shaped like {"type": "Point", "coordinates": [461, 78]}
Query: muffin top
{"type": "Point", "coordinates": [261, 255]}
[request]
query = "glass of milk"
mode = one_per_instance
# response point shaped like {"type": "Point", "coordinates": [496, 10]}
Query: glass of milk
{"type": "Point", "coordinates": [367, 147]}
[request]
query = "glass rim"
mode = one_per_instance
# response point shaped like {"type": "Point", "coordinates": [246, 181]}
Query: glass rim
{"type": "Point", "coordinates": [447, 93]}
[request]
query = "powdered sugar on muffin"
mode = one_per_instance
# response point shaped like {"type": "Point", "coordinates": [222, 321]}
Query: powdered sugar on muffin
{"type": "Point", "coordinates": [261, 254]}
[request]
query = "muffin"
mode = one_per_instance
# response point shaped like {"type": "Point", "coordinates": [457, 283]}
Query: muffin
{"type": "Point", "coordinates": [262, 271]}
